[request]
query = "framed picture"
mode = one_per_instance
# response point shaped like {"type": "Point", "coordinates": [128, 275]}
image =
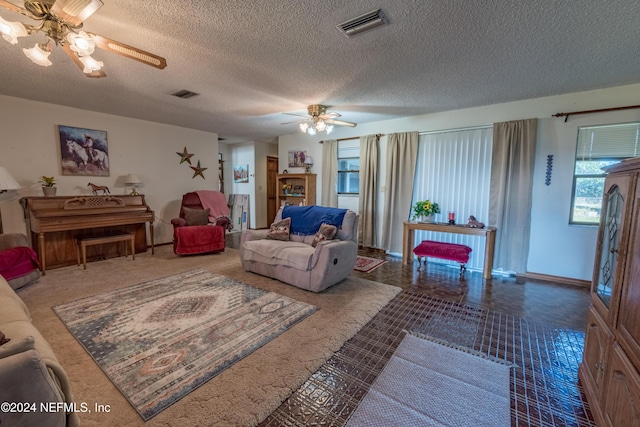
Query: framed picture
{"type": "Point", "coordinates": [241, 173]}
{"type": "Point", "coordinates": [83, 152]}
{"type": "Point", "coordinates": [296, 158]}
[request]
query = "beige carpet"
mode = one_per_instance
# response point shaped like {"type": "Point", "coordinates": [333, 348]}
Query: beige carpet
{"type": "Point", "coordinates": [242, 395]}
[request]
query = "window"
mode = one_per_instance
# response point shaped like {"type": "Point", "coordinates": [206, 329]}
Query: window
{"type": "Point", "coordinates": [454, 170]}
{"type": "Point", "coordinates": [598, 146]}
{"type": "Point", "coordinates": [349, 166]}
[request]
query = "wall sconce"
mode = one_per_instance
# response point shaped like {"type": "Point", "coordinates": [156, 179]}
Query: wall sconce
{"type": "Point", "coordinates": [134, 182]}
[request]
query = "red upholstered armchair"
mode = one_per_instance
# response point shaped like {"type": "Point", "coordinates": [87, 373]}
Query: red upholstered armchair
{"type": "Point", "coordinates": [204, 219]}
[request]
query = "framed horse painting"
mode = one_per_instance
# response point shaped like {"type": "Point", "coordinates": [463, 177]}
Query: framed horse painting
{"type": "Point", "coordinates": [83, 152]}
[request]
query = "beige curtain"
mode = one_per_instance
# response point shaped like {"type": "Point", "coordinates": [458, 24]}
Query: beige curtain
{"type": "Point", "coordinates": [368, 190]}
{"type": "Point", "coordinates": [329, 173]}
{"type": "Point", "coordinates": [402, 154]}
{"type": "Point", "coordinates": [513, 158]}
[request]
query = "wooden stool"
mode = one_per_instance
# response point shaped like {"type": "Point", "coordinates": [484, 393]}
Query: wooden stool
{"type": "Point", "coordinates": [83, 242]}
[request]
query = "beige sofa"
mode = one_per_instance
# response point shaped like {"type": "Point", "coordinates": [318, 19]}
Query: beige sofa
{"type": "Point", "coordinates": [29, 371]}
{"type": "Point", "coordinates": [296, 261]}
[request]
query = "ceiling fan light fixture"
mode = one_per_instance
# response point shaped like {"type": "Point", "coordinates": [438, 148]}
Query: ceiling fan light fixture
{"type": "Point", "coordinates": [39, 54]}
{"type": "Point", "coordinates": [321, 125]}
{"type": "Point", "coordinates": [329, 129]}
{"type": "Point", "coordinates": [90, 64]}
{"type": "Point", "coordinates": [12, 30]}
{"type": "Point", "coordinates": [311, 131]}
{"type": "Point", "coordinates": [303, 127]}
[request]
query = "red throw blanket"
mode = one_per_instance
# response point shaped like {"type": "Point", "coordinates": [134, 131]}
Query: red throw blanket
{"type": "Point", "coordinates": [17, 262]}
{"type": "Point", "coordinates": [216, 202]}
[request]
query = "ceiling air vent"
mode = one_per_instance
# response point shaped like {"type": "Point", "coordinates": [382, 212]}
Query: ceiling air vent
{"type": "Point", "coordinates": [363, 23]}
{"type": "Point", "coordinates": [184, 94]}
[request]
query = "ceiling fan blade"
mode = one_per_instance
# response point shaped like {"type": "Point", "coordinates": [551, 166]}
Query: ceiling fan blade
{"type": "Point", "coordinates": [298, 115]}
{"type": "Point", "coordinates": [290, 123]}
{"type": "Point", "coordinates": [129, 51]}
{"type": "Point", "coordinates": [340, 123]}
{"type": "Point", "coordinates": [330, 115]}
{"type": "Point", "coordinates": [13, 8]}
{"type": "Point", "coordinates": [74, 57]}
{"type": "Point", "coordinates": [75, 11]}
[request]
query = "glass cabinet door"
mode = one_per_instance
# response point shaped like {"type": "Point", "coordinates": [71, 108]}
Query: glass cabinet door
{"type": "Point", "coordinates": [610, 243]}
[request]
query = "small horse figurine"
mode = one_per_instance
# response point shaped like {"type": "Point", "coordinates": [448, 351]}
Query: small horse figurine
{"type": "Point", "coordinates": [96, 188]}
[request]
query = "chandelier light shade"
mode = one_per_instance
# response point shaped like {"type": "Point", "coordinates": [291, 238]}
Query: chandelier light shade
{"type": "Point", "coordinates": [39, 54]}
{"type": "Point", "coordinates": [312, 128]}
{"type": "Point", "coordinates": [90, 64]}
{"type": "Point", "coordinates": [81, 43]}
{"type": "Point", "coordinates": [12, 30]}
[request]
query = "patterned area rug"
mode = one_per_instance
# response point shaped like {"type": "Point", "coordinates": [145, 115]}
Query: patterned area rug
{"type": "Point", "coordinates": [366, 264]}
{"type": "Point", "coordinates": [160, 340]}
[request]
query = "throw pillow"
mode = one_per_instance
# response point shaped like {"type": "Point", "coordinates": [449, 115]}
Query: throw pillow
{"type": "Point", "coordinates": [280, 230]}
{"type": "Point", "coordinates": [326, 232]}
{"type": "Point", "coordinates": [196, 216]}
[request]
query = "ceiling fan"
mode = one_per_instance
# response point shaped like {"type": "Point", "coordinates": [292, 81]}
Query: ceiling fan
{"type": "Point", "coordinates": [61, 21]}
{"type": "Point", "coordinates": [318, 120]}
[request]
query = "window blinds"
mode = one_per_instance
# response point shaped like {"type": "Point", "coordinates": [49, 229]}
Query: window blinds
{"type": "Point", "coordinates": [619, 141]}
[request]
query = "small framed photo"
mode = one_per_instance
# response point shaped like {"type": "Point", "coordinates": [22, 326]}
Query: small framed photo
{"type": "Point", "coordinates": [241, 173]}
{"type": "Point", "coordinates": [83, 152]}
{"type": "Point", "coordinates": [296, 158]}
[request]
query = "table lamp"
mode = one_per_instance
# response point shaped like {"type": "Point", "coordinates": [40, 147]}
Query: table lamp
{"type": "Point", "coordinates": [308, 162]}
{"type": "Point", "coordinates": [7, 183]}
{"type": "Point", "coordinates": [133, 181]}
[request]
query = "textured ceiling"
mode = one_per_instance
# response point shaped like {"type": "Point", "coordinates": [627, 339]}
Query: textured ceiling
{"type": "Point", "coordinates": [251, 61]}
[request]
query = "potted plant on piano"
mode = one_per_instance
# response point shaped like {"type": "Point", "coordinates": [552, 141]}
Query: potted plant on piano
{"type": "Point", "coordinates": [48, 185]}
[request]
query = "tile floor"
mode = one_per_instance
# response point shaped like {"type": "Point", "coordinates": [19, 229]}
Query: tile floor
{"type": "Point", "coordinates": [539, 326]}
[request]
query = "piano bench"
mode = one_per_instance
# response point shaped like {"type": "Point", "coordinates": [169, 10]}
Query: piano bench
{"type": "Point", "coordinates": [83, 242]}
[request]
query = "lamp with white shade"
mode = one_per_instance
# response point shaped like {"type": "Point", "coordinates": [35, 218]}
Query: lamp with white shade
{"type": "Point", "coordinates": [7, 183]}
{"type": "Point", "coordinates": [308, 162]}
{"type": "Point", "coordinates": [134, 182]}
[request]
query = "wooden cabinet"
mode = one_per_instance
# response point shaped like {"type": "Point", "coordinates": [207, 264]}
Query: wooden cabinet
{"type": "Point", "coordinates": [296, 189]}
{"type": "Point", "coordinates": [611, 358]}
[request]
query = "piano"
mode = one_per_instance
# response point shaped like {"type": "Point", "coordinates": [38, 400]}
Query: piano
{"type": "Point", "coordinates": [54, 224]}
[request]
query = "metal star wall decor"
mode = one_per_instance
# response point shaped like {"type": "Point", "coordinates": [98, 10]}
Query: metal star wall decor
{"type": "Point", "coordinates": [184, 156]}
{"type": "Point", "coordinates": [198, 170]}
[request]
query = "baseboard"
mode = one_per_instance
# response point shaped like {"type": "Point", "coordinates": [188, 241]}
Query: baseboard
{"type": "Point", "coordinates": [556, 279]}
{"type": "Point", "coordinates": [369, 248]}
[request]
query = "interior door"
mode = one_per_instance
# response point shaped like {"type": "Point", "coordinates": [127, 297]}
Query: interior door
{"type": "Point", "coordinates": [272, 171]}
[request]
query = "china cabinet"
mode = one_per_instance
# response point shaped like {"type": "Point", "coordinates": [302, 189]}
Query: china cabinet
{"type": "Point", "coordinates": [611, 359]}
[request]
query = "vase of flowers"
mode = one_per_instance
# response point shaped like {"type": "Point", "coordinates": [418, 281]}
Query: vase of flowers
{"type": "Point", "coordinates": [48, 185]}
{"type": "Point", "coordinates": [425, 211]}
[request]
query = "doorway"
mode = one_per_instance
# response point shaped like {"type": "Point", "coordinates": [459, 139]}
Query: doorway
{"type": "Point", "coordinates": [272, 172]}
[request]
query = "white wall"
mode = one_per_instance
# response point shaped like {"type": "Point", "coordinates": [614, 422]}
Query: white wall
{"type": "Point", "coordinates": [557, 248]}
{"type": "Point", "coordinates": [29, 149]}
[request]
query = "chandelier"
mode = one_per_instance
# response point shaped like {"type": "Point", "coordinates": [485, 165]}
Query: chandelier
{"type": "Point", "coordinates": [60, 22]}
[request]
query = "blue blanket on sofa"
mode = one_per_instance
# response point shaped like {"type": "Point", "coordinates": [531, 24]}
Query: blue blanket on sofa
{"type": "Point", "coordinates": [306, 220]}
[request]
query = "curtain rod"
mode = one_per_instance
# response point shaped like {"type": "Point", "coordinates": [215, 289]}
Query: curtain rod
{"type": "Point", "coordinates": [566, 115]}
{"type": "Point", "coordinates": [353, 137]}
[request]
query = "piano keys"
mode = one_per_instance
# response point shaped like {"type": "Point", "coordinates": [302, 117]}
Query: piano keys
{"type": "Point", "coordinates": [54, 224]}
